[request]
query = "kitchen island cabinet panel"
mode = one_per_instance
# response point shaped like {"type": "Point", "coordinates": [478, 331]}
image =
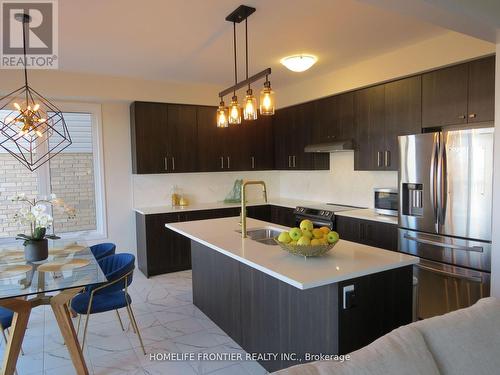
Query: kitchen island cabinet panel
{"type": "Point", "coordinates": [266, 315]}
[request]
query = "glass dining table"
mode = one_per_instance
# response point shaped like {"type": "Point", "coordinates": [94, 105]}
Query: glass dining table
{"type": "Point", "coordinates": [55, 281]}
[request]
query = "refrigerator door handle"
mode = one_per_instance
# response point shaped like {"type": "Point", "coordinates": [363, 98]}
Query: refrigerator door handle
{"type": "Point", "coordinates": [474, 279]}
{"type": "Point", "coordinates": [434, 180]}
{"type": "Point", "coordinates": [442, 180]}
{"type": "Point", "coordinates": [476, 249]}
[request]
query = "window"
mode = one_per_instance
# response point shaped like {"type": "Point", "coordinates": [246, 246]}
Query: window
{"type": "Point", "coordinates": [74, 175]}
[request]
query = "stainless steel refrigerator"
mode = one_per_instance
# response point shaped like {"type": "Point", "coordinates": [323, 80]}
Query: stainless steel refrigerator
{"type": "Point", "coordinates": [445, 209]}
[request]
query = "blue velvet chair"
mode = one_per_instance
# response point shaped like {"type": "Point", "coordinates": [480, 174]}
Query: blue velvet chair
{"type": "Point", "coordinates": [103, 250]}
{"type": "Point", "coordinates": [112, 295]}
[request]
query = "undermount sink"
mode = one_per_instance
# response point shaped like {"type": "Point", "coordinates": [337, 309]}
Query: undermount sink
{"type": "Point", "coordinates": [264, 235]}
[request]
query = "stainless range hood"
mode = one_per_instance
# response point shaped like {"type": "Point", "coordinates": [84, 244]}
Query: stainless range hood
{"type": "Point", "coordinates": [334, 146]}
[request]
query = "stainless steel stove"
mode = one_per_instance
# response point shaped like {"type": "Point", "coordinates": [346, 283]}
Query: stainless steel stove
{"type": "Point", "coordinates": [320, 215]}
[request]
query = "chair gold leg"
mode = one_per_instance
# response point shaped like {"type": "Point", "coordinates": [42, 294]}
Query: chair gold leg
{"type": "Point", "coordinates": [120, 320]}
{"type": "Point", "coordinates": [78, 325]}
{"type": "Point", "coordinates": [85, 330]}
{"type": "Point", "coordinates": [136, 327]}
{"type": "Point", "coordinates": [89, 308]}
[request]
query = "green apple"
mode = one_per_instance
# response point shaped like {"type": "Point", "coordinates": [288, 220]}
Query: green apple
{"type": "Point", "coordinates": [333, 237]}
{"type": "Point", "coordinates": [306, 225]}
{"type": "Point", "coordinates": [304, 241]}
{"type": "Point", "coordinates": [293, 243]}
{"type": "Point", "coordinates": [284, 237]}
{"type": "Point", "coordinates": [306, 233]}
{"type": "Point", "coordinates": [295, 234]}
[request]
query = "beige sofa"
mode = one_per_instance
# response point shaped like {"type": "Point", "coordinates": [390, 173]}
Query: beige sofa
{"type": "Point", "coordinates": [464, 342]}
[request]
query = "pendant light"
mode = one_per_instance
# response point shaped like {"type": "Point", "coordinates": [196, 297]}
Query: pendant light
{"type": "Point", "coordinates": [33, 130]}
{"type": "Point", "coordinates": [250, 108]}
{"type": "Point", "coordinates": [267, 104]}
{"type": "Point", "coordinates": [234, 108]}
{"type": "Point", "coordinates": [267, 101]}
{"type": "Point", "coordinates": [222, 115]}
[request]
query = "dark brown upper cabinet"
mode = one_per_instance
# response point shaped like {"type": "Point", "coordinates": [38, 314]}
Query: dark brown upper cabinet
{"type": "Point", "coordinates": [382, 113]}
{"type": "Point", "coordinates": [481, 97]}
{"type": "Point", "coordinates": [459, 94]}
{"type": "Point", "coordinates": [149, 121]}
{"type": "Point", "coordinates": [369, 121]}
{"type": "Point", "coordinates": [211, 141]}
{"type": "Point", "coordinates": [293, 131]}
{"type": "Point", "coordinates": [403, 116]}
{"type": "Point", "coordinates": [256, 146]}
{"type": "Point", "coordinates": [182, 133]}
{"type": "Point", "coordinates": [247, 146]}
{"type": "Point", "coordinates": [162, 138]}
{"type": "Point", "coordinates": [334, 118]}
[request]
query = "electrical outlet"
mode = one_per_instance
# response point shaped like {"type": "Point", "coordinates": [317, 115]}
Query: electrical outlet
{"type": "Point", "coordinates": [348, 297]}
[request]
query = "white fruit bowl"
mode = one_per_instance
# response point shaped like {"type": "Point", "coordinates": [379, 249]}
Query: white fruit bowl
{"type": "Point", "coordinates": [306, 251]}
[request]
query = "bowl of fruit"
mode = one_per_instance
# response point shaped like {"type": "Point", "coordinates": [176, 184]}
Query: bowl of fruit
{"type": "Point", "coordinates": [308, 241]}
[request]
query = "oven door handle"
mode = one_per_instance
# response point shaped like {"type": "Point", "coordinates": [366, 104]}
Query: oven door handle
{"type": "Point", "coordinates": [474, 279]}
{"type": "Point", "coordinates": [477, 249]}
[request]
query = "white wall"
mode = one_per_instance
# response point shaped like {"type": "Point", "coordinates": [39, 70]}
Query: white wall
{"type": "Point", "coordinates": [495, 257]}
{"type": "Point", "coordinates": [342, 184]}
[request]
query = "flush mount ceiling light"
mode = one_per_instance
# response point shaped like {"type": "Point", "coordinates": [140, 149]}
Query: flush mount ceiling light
{"type": "Point", "coordinates": [32, 129]}
{"type": "Point", "coordinates": [233, 114]}
{"type": "Point", "coordinates": [299, 63]}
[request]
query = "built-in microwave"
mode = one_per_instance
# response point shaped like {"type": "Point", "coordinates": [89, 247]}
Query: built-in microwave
{"type": "Point", "coordinates": [386, 201]}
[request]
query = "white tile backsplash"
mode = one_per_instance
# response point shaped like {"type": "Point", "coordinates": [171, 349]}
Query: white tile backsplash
{"type": "Point", "coordinates": [342, 184]}
{"type": "Point", "coordinates": [155, 190]}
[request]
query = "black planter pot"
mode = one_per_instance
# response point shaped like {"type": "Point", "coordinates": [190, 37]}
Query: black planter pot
{"type": "Point", "coordinates": [35, 251]}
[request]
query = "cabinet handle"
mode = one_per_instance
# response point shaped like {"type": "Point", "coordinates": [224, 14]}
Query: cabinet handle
{"type": "Point", "coordinates": [173, 163]}
{"type": "Point", "coordinates": [253, 162]}
{"type": "Point", "coordinates": [228, 162]}
{"type": "Point", "coordinates": [289, 161]}
{"type": "Point", "coordinates": [472, 115]}
{"type": "Point", "coordinates": [387, 158]}
{"type": "Point", "coordinates": [165, 161]}
{"type": "Point", "coordinates": [221, 162]}
{"type": "Point", "coordinates": [461, 117]}
{"type": "Point", "coordinates": [379, 157]}
{"type": "Point", "coordinates": [293, 161]}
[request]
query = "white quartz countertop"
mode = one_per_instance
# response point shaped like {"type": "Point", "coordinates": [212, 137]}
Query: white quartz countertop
{"type": "Point", "coordinates": [283, 202]}
{"type": "Point", "coordinates": [347, 260]}
{"type": "Point", "coordinates": [369, 214]}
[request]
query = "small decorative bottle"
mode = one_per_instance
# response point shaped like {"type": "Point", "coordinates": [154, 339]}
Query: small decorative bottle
{"type": "Point", "coordinates": [175, 196]}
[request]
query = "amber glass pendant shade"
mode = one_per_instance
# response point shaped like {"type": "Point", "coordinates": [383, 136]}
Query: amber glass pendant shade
{"type": "Point", "coordinates": [267, 100]}
{"type": "Point", "coordinates": [222, 116]}
{"type": "Point", "coordinates": [234, 112]}
{"type": "Point", "coordinates": [250, 109]}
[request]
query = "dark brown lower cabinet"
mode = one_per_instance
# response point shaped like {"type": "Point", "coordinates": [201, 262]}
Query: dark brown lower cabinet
{"type": "Point", "coordinates": [266, 315]}
{"type": "Point", "coordinates": [160, 250]}
{"type": "Point", "coordinates": [282, 216]}
{"type": "Point", "coordinates": [372, 233]}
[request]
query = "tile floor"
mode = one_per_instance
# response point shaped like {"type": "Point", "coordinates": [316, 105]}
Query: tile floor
{"type": "Point", "coordinates": [168, 320]}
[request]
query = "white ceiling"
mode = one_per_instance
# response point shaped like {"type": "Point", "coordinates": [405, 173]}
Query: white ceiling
{"type": "Point", "coordinates": [189, 40]}
{"type": "Point", "coordinates": [477, 18]}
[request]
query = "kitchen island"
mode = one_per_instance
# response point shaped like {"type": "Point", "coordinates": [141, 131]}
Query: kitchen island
{"type": "Point", "coordinates": [270, 301]}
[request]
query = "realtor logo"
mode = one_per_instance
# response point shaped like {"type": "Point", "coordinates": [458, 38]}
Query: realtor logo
{"type": "Point", "coordinates": [41, 34]}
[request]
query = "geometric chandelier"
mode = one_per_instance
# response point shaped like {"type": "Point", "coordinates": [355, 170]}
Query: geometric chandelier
{"type": "Point", "coordinates": [32, 129]}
